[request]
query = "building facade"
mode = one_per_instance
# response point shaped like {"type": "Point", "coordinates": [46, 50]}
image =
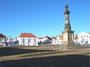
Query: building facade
{"type": "Point", "coordinates": [10, 41]}
{"type": "Point", "coordinates": [27, 39]}
{"type": "Point", "coordinates": [57, 40]}
{"type": "Point", "coordinates": [84, 38]}
{"type": "Point", "coordinates": [2, 40]}
{"type": "Point", "coordinates": [44, 40]}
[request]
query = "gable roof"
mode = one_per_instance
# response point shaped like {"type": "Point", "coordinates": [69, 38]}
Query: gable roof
{"type": "Point", "coordinates": [27, 35]}
{"type": "Point", "coordinates": [2, 36]}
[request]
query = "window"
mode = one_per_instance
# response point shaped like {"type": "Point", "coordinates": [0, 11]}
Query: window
{"type": "Point", "coordinates": [0, 40]}
{"type": "Point", "coordinates": [7, 38]}
{"type": "Point", "coordinates": [81, 36]}
{"type": "Point", "coordinates": [87, 37]}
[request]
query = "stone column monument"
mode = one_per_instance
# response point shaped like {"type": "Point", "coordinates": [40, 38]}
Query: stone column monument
{"type": "Point", "coordinates": [68, 33]}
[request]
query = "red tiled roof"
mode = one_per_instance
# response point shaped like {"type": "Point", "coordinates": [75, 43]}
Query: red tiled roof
{"type": "Point", "coordinates": [2, 36]}
{"type": "Point", "coordinates": [27, 35]}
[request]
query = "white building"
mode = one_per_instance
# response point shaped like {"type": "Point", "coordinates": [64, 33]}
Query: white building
{"type": "Point", "coordinates": [57, 40]}
{"type": "Point", "coordinates": [10, 41]}
{"type": "Point", "coordinates": [2, 40]}
{"type": "Point", "coordinates": [44, 40]}
{"type": "Point", "coordinates": [27, 39]}
{"type": "Point", "coordinates": [76, 39]}
{"type": "Point", "coordinates": [84, 38]}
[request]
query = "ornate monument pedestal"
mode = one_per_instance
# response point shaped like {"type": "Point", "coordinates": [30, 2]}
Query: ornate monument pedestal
{"type": "Point", "coordinates": [68, 38]}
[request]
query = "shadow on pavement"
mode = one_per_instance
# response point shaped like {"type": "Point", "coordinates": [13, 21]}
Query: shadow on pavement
{"type": "Point", "coordinates": [54, 61]}
{"type": "Point", "coordinates": [6, 51]}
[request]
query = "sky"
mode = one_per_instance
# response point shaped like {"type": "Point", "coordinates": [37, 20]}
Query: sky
{"type": "Point", "coordinates": [43, 17]}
